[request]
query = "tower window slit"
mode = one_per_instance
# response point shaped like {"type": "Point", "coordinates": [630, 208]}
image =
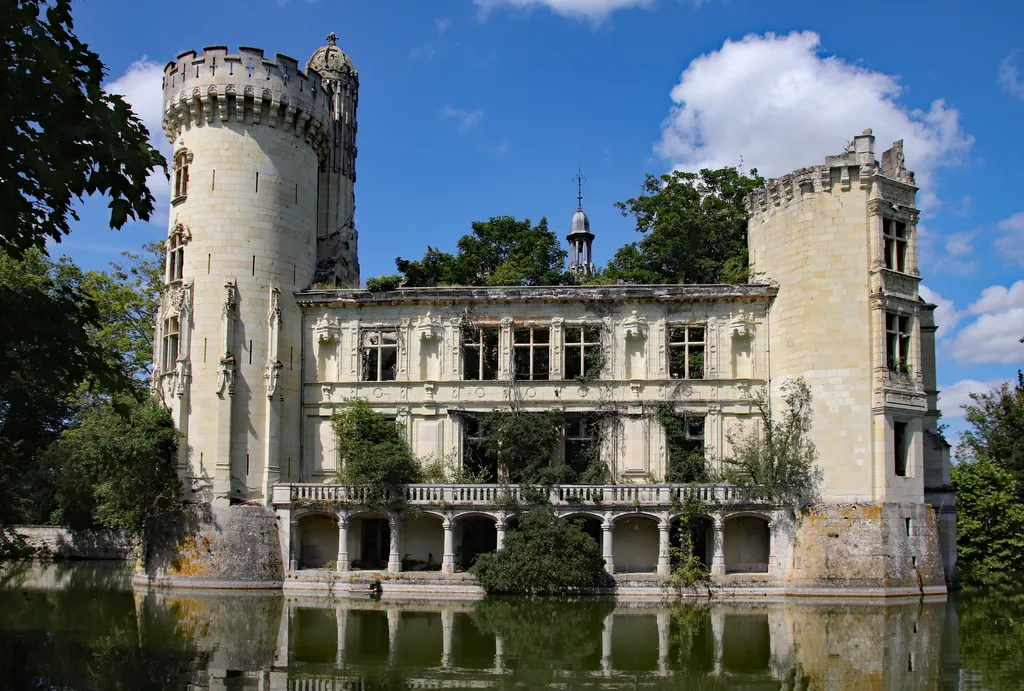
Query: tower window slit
{"type": "Point", "coordinates": [257, 181]}
{"type": "Point", "coordinates": [213, 181]}
{"type": "Point", "coordinates": [204, 350]}
{"type": "Point", "coordinates": [254, 265]}
{"type": "Point", "coordinates": [209, 262]}
{"type": "Point", "coordinates": [250, 351]}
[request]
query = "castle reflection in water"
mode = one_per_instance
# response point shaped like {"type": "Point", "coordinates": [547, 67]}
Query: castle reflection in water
{"type": "Point", "coordinates": [286, 644]}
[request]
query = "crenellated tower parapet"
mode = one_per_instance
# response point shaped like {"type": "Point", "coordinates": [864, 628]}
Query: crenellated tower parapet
{"type": "Point", "coordinates": [247, 89]}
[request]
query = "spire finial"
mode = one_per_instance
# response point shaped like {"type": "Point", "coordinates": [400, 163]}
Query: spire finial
{"type": "Point", "coordinates": [579, 189]}
{"type": "Point", "coordinates": [332, 38]}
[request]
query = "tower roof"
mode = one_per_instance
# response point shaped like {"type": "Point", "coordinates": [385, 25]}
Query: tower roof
{"type": "Point", "coordinates": [331, 61]}
{"type": "Point", "coordinates": [580, 222]}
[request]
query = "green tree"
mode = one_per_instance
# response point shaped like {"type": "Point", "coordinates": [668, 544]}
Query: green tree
{"type": "Point", "coordinates": [990, 524]}
{"type": "Point", "coordinates": [524, 444]}
{"type": "Point", "coordinates": [780, 457]}
{"type": "Point", "coordinates": [117, 467]}
{"type": "Point", "coordinates": [545, 555]}
{"type": "Point", "coordinates": [996, 430]}
{"type": "Point", "coordinates": [694, 227]}
{"type": "Point", "coordinates": [502, 251]}
{"type": "Point", "coordinates": [372, 450]}
{"type": "Point", "coordinates": [63, 136]}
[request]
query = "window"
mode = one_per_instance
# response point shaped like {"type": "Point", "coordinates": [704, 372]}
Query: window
{"type": "Point", "coordinates": [170, 358]}
{"type": "Point", "coordinates": [897, 343]}
{"type": "Point", "coordinates": [581, 441]}
{"type": "Point", "coordinates": [684, 437]}
{"type": "Point", "coordinates": [478, 459]}
{"type": "Point", "coordinates": [901, 447]}
{"type": "Point", "coordinates": [181, 161]}
{"type": "Point", "coordinates": [380, 354]}
{"type": "Point", "coordinates": [582, 352]}
{"type": "Point", "coordinates": [686, 352]}
{"type": "Point", "coordinates": [479, 354]}
{"type": "Point", "coordinates": [530, 348]}
{"type": "Point", "coordinates": [175, 256]}
{"type": "Point", "coordinates": [895, 237]}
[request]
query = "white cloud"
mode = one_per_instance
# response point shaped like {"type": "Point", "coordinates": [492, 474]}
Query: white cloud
{"type": "Point", "coordinates": [1010, 243]}
{"type": "Point", "coordinates": [777, 103]}
{"type": "Point", "coordinates": [1010, 77]}
{"type": "Point", "coordinates": [591, 9]}
{"type": "Point", "coordinates": [952, 398]}
{"type": "Point", "coordinates": [467, 119]}
{"type": "Point", "coordinates": [442, 24]}
{"type": "Point", "coordinates": [994, 337]}
{"type": "Point", "coordinates": [141, 86]}
{"type": "Point", "coordinates": [946, 315]}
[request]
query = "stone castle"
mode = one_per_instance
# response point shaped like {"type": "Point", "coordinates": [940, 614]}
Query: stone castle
{"type": "Point", "coordinates": [253, 355]}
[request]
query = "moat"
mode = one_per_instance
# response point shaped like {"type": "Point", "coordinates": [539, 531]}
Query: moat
{"type": "Point", "coordinates": [81, 626]}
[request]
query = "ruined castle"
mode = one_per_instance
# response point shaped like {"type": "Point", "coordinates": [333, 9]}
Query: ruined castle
{"type": "Point", "coordinates": [263, 332]}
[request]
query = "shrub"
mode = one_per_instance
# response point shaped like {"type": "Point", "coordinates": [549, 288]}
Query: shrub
{"type": "Point", "coordinates": [372, 451]}
{"type": "Point", "coordinates": [990, 524]}
{"type": "Point", "coordinates": [546, 555]}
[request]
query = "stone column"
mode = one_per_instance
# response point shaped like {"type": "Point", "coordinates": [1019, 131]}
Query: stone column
{"type": "Point", "coordinates": [499, 528]}
{"type": "Point", "coordinates": [447, 624]}
{"type": "Point", "coordinates": [343, 563]}
{"type": "Point", "coordinates": [293, 544]}
{"type": "Point", "coordinates": [606, 544]}
{"type": "Point", "coordinates": [773, 544]}
{"type": "Point", "coordinates": [393, 620]}
{"type": "Point", "coordinates": [499, 654]}
{"type": "Point", "coordinates": [341, 620]}
{"type": "Point", "coordinates": [663, 638]}
{"type": "Point", "coordinates": [606, 645]}
{"type": "Point", "coordinates": [664, 562]}
{"type": "Point", "coordinates": [717, 636]}
{"type": "Point", "coordinates": [448, 556]}
{"type": "Point", "coordinates": [718, 546]}
{"type": "Point", "coordinates": [394, 558]}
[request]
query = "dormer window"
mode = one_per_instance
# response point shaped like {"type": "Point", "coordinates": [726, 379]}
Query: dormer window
{"type": "Point", "coordinates": [894, 234]}
{"type": "Point", "coordinates": [180, 169]}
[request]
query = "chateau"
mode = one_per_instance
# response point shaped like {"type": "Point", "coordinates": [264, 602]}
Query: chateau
{"type": "Point", "coordinates": [253, 357]}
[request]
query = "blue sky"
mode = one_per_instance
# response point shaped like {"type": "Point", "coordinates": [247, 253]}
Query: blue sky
{"type": "Point", "coordinates": [475, 108]}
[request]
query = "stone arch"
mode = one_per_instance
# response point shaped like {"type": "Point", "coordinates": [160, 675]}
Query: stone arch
{"type": "Point", "coordinates": [475, 533]}
{"type": "Point", "coordinates": [636, 514]}
{"type": "Point", "coordinates": [701, 529]}
{"type": "Point", "coordinates": [635, 543]}
{"type": "Point", "coordinates": [421, 541]}
{"type": "Point", "coordinates": [747, 537]}
{"type": "Point", "coordinates": [591, 523]}
{"type": "Point", "coordinates": [318, 539]}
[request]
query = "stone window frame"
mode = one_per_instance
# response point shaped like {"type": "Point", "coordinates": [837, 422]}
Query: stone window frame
{"type": "Point", "coordinates": [587, 349]}
{"type": "Point", "coordinates": [176, 254]}
{"type": "Point", "coordinates": [901, 452]}
{"type": "Point", "coordinates": [180, 178]}
{"type": "Point", "coordinates": [532, 346]}
{"type": "Point", "coordinates": [170, 342]}
{"type": "Point", "coordinates": [471, 433]}
{"type": "Point", "coordinates": [895, 244]}
{"type": "Point", "coordinates": [366, 350]}
{"type": "Point", "coordinates": [899, 330]}
{"type": "Point", "coordinates": [686, 346]}
{"type": "Point", "coordinates": [588, 432]}
{"type": "Point", "coordinates": [479, 344]}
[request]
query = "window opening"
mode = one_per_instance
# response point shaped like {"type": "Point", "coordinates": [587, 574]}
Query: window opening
{"type": "Point", "coordinates": [478, 458]}
{"type": "Point", "coordinates": [479, 354]}
{"type": "Point", "coordinates": [175, 256]}
{"type": "Point", "coordinates": [380, 354]}
{"type": "Point", "coordinates": [582, 352]}
{"type": "Point", "coordinates": [686, 352]}
{"type": "Point", "coordinates": [530, 350]}
{"type": "Point", "coordinates": [900, 448]}
{"type": "Point", "coordinates": [170, 344]}
{"type": "Point", "coordinates": [897, 343]}
{"type": "Point", "coordinates": [181, 163]}
{"type": "Point", "coordinates": [684, 437]}
{"type": "Point", "coordinates": [581, 441]}
{"type": "Point", "coordinates": [894, 234]}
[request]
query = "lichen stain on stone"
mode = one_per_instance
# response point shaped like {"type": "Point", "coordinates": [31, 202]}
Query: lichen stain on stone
{"type": "Point", "coordinates": [192, 558]}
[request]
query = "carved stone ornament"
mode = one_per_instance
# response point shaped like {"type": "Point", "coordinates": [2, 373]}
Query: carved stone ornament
{"type": "Point", "coordinates": [330, 60]}
{"type": "Point", "coordinates": [272, 375]}
{"type": "Point", "coordinates": [230, 298]}
{"type": "Point", "coordinates": [184, 373]}
{"type": "Point", "coordinates": [635, 326]}
{"type": "Point", "coordinates": [742, 324]}
{"type": "Point", "coordinates": [180, 230]}
{"type": "Point", "coordinates": [226, 376]}
{"type": "Point", "coordinates": [326, 329]}
{"type": "Point", "coordinates": [429, 327]}
{"type": "Point", "coordinates": [274, 311]}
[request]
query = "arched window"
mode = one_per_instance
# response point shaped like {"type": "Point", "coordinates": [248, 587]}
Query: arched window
{"type": "Point", "coordinates": [176, 253]}
{"type": "Point", "coordinates": [181, 161]}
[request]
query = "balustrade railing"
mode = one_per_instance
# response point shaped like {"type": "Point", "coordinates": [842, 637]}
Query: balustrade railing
{"type": "Point", "coordinates": [558, 495]}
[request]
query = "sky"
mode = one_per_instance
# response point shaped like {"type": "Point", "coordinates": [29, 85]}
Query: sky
{"type": "Point", "coordinates": [475, 108]}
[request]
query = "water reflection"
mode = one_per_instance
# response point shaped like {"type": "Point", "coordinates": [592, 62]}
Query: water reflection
{"type": "Point", "coordinates": [96, 634]}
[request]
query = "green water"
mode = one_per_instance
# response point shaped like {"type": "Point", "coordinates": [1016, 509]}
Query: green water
{"type": "Point", "coordinates": [82, 627]}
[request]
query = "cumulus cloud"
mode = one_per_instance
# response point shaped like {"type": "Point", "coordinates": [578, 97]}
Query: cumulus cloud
{"type": "Point", "coordinates": [779, 104]}
{"type": "Point", "coordinates": [994, 337]}
{"type": "Point", "coordinates": [140, 85]}
{"type": "Point", "coordinates": [952, 398]}
{"type": "Point", "coordinates": [467, 119]}
{"type": "Point", "coordinates": [590, 9]}
{"type": "Point", "coordinates": [946, 314]}
{"type": "Point", "coordinates": [1010, 242]}
{"type": "Point", "coordinates": [1010, 77]}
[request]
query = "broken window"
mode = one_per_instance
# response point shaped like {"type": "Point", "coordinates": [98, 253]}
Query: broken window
{"type": "Point", "coordinates": [901, 447]}
{"type": "Point", "coordinates": [479, 354]}
{"type": "Point", "coordinates": [170, 357]}
{"type": "Point", "coordinates": [380, 354]}
{"type": "Point", "coordinates": [897, 343]}
{"type": "Point", "coordinates": [582, 352]}
{"type": "Point", "coordinates": [686, 352]}
{"type": "Point", "coordinates": [684, 437]}
{"type": "Point", "coordinates": [894, 234]}
{"type": "Point", "coordinates": [530, 349]}
{"type": "Point", "coordinates": [478, 458]}
{"type": "Point", "coordinates": [581, 441]}
{"type": "Point", "coordinates": [181, 161]}
{"type": "Point", "coordinates": [175, 256]}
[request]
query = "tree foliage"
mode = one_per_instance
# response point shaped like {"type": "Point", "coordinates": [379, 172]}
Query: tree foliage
{"type": "Point", "coordinates": [545, 555]}
{"type": "Point", "coordinates": [63, 136]}
{"type": "Point", "coordinates": [502, 251]}
{"type": "Point", "coordinates": [996, 428]}
{"type": "Point", "coordinates": [780, 457]}
{"type": "Point", "coordinates": [372, 450]}
{"type": "Point", "coordinates": [694, 227]}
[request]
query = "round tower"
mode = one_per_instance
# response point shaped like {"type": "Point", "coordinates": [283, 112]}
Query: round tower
{"type": "Point", "coordinates": [252, 145]}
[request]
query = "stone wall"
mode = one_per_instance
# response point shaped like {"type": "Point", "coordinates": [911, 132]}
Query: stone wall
{"type": "Point", "coordinates": [64, 543]}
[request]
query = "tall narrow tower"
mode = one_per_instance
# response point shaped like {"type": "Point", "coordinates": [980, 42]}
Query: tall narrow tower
{"type": "Point", "coordinates": [580, 238]}
{"type": "Point", "coordinates": [255, 148]}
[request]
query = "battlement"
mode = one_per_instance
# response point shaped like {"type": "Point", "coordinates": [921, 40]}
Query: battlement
{"type": "Point", "coordinates": [245, 88]}
{"type": "Point", "coordinates": [855, 166]}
